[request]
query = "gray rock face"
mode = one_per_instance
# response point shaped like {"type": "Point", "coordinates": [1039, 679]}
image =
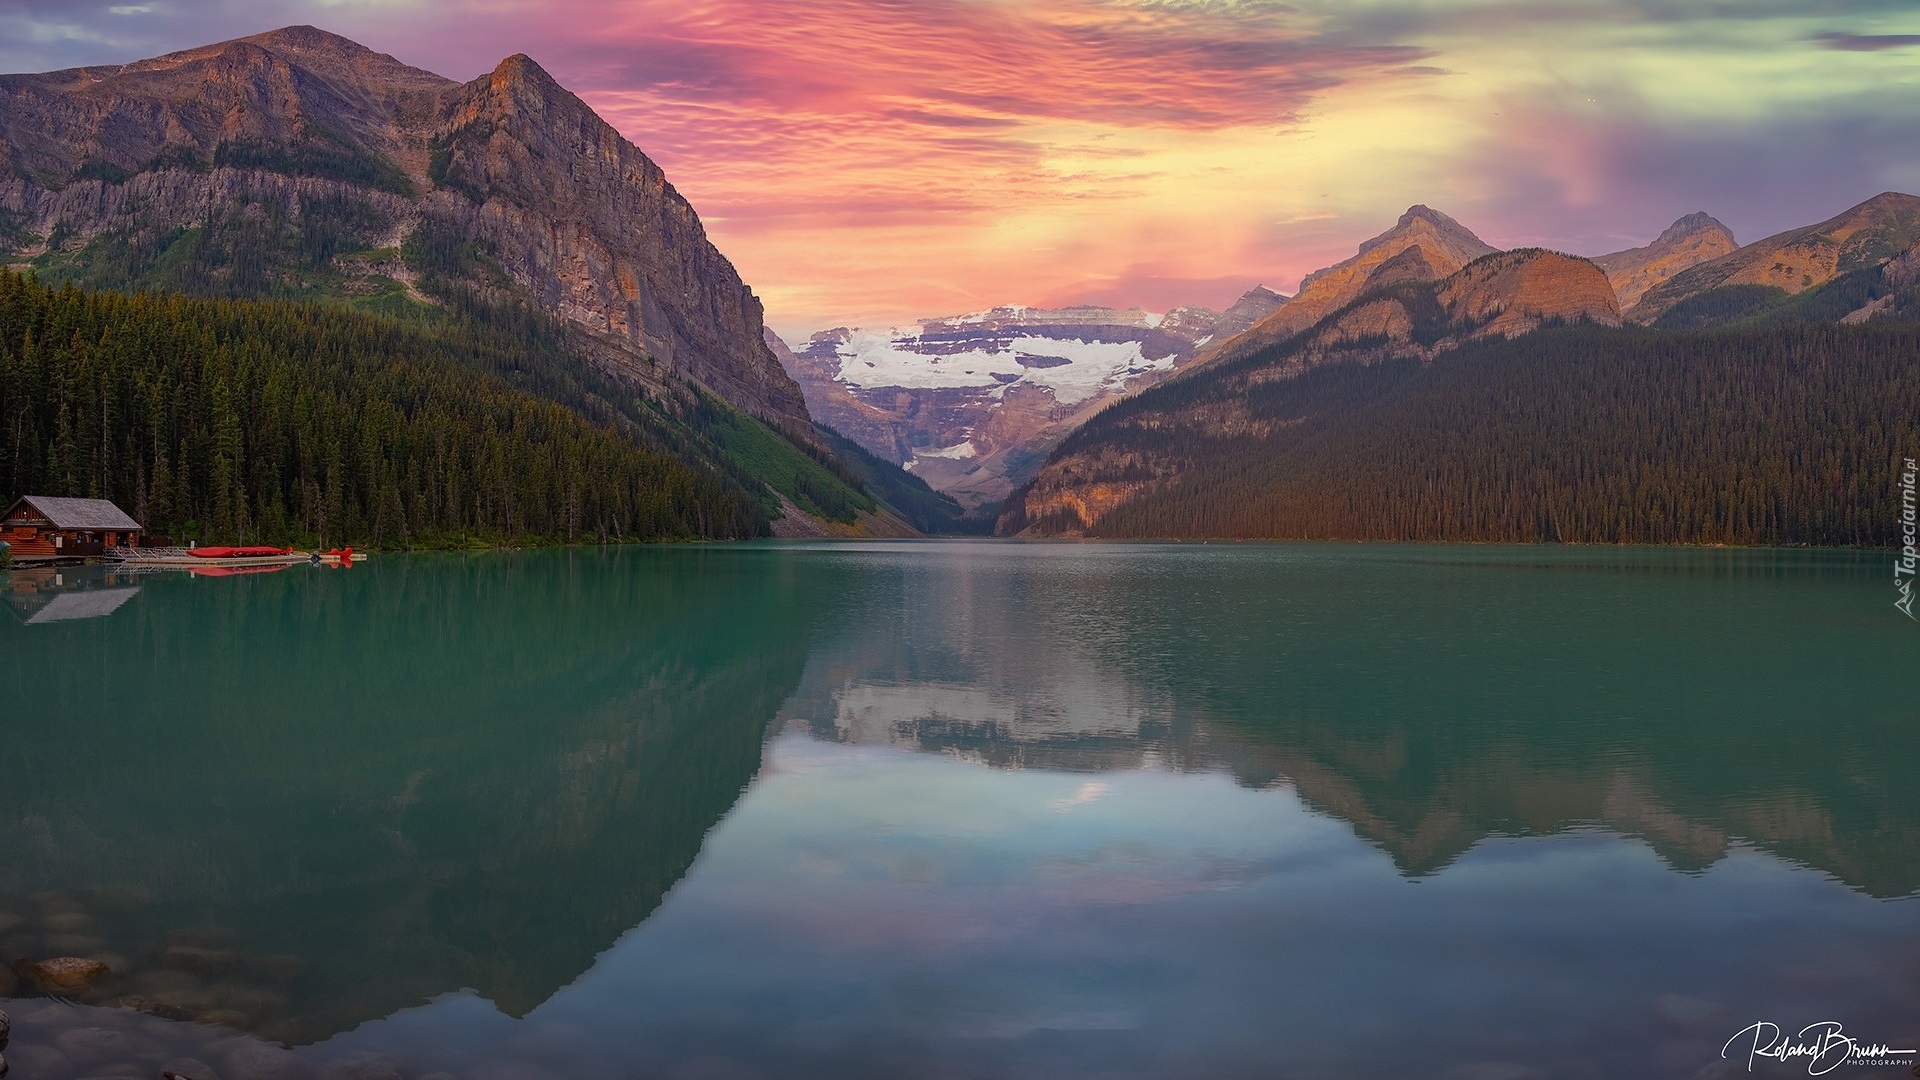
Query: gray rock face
{"type": "Point", "coordinates": [303, 130]}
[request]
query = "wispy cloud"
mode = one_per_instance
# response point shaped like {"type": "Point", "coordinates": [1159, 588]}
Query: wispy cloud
{"type": "Point", "coordinates": [1834, 39]}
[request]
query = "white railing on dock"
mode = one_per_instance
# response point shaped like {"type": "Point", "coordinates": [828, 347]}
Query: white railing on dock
{"type": "Point", "coordinates": [148, 553]}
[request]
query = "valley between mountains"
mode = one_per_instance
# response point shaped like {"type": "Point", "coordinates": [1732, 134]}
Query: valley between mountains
{"type": "Point", "coordinates": [385, 307]}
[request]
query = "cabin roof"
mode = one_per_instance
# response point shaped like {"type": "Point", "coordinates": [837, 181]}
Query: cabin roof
{"type": "Point", "coordinates": [79, 513]}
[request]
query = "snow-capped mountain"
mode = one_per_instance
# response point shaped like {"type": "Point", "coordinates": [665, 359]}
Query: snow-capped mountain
{"type": "Point", "coordinates": [973, 403]}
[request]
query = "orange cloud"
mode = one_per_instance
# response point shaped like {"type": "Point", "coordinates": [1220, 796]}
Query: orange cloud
{"type": "Point", "coordinates": [872, 161]}
{"type": "Point", "coordinates": [927, 156]}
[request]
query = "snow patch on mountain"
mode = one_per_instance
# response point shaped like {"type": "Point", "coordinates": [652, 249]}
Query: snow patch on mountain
{"type": "Point", "coordinates": [875, 359]}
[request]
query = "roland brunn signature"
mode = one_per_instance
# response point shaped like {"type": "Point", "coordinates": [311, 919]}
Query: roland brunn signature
{"type": "Point", "coordinates": [1825, 1046]}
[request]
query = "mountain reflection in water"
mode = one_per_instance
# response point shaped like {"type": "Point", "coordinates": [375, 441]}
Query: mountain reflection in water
{"type": "Point", "coordinates": [426, 774]}
{"type": "Point", "coordinates": [332, 797]}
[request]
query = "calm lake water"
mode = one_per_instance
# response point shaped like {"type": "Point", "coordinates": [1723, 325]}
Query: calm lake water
{"type": "Point", "coordinates": [965, 809]}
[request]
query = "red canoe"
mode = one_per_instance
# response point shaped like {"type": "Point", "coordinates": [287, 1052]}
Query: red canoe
{"type": "Point", "coordinates": [238, 552]}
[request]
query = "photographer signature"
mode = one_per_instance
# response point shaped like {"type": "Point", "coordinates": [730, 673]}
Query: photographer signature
{"type": "Point", "coordinates": [1825, 1045]}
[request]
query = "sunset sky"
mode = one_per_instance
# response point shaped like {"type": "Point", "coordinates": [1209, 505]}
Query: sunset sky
{"type": "Point", "coordinates": [876, 161]}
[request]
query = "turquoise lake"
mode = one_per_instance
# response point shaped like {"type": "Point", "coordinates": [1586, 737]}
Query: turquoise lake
{"type": "Point", "coordinates": [965, 809]}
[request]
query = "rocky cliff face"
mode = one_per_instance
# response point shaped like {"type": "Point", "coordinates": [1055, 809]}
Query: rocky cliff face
{"type": "Point", "coordinates": [1863, 238]}
{"type": "Point", "coordinates": [1424, 245]}
{"type": "Point", "coordinates": [972, 404]}
{"type": "Point", "coordinates": [1686, 243]}
{"type": "Point", "coordinates": [1504, 294]}
{"type": "Point", "coordinates": [320, 164]}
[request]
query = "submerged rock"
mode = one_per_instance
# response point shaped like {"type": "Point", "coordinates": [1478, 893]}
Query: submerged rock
{"type": "Point", "coordinates": [66, 922]}
{"type": "Point", "coordinates": [188, 1069]}
{"type": "Point", "coordinates": [90, 1046]}
{"type": "Point", "coordinates": [6, 1029]}
{"type": "Point", "coordinates": [201, 959]}
{"type": "Point", "coordinates": [36, 1061]}
{"type": "Point", "coordinates": [258, 1061]}
{"type": "Point", "coordinates": [53, 903]}
{"type": "Point", "coordinates": [68, 974]}
{"type": "Point", "coordinates": [512, 1070]}
{"type": "Point", "coordinates": [279, 970]}
{"type": "Point", "coordinates": [363, 1067]}
{"type": "Point", "coordinates": [251, 1000]}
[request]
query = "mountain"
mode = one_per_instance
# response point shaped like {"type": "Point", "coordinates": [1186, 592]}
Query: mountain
{"type": "Point", "coordinates": [1575, 434]}
{"type": "Point", "coordinates": [1508, 401]}
{"type": "Point", "coordinates": [1819, 273]}
{"type": "Point", "coordinates": [1498, 296]}
{"type": "Point", "coordinates": [972, 403]}
{"type": "Point", "coordinates": [1504, 294]}
{"type": "Point", "coordinates": [298, 164]}
{"type": "Point", "coordinates": [1686, 243]}
{"type": "Point", "coordinates": [1424, 245]}
{"type": "Point", "coordinates": [330, 159]}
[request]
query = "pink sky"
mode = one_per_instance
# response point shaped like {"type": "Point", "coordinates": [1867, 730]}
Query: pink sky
{"type": "Point", "coordinates": [875, 161]}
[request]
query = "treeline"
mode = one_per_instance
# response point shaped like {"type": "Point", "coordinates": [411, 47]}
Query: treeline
{"type": "Point", "coordinates": [270, 421]}
{"type": "Point", "coordinates": [1785, 436]}
{"type": "Point", "coordinates": [478, 318]}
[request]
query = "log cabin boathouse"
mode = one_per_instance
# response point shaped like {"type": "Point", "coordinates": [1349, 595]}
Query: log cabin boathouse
{"type": "Point", "coordinates": [40, 527]}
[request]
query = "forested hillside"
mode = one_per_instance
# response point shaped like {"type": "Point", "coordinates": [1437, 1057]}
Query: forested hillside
{"type": "Point", "coordinates": [279, 421]}
{"type": "Point", "coordinates": [907, 495]}
{"type": "Point", "coordinates": [1790, 435]}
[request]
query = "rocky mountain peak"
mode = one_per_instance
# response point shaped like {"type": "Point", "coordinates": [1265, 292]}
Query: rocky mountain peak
{"type": "Point", "coordinates": [1423, 245]}
{"type": "Point", "coordinates": [1254, 304]}
{"type": "Point", "coordinates": [1698, 221]}
{"type": "Point", "coordinates": [1423, 212]}
{"type": "Point", "coordinates": [1890, 200]}
{"type": "Point", "coordinates": [521, 68]}
{"type": "Point", "coordinates": [1419, 223]}
{"type": "Point", "coordinates": [310, 41]}
{"type": "Point", "coordinates": [1862, 237]}
{"type": "Point", "coordinates": [1696, 238]}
